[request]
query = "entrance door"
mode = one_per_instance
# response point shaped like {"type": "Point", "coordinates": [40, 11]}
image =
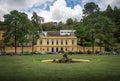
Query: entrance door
{"type": "Point", "coordinates": [56, 49]}
{"type": "Point", "coordinates": [52, 49]}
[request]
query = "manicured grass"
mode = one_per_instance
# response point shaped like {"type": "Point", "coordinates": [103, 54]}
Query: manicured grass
{"type": "Point", "coordinates": [29, 68]}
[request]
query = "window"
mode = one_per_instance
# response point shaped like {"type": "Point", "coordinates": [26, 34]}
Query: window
{"type": "Point", "coordinates": [66, 49]}
{"type": "Point", "coordinates": [61, 42]}
{"type": "Point", "coordinates": [56, 49]}
{"type": "Point", "coordinates": [57, 42]}
{"type": "Point", "coordinates": [47, 42]}
{"type": "Point", "coordinates": [61, 49]}
{"type": "Point", "coordinates": [66, 42]}
{"type": "Point", "coordinates": [72, 41]}
{"type": "Point", "coordinates": [52, 42]}
{"type": "Point", "coordinates": [41, 42]}
{"type": "Point", "coordinates": [3, 34]}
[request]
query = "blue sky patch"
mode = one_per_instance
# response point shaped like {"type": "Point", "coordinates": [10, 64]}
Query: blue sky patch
{"type": "Point", "coordinates": [73, 3]}
{"type": "Point", "coordinates": [45, 6]}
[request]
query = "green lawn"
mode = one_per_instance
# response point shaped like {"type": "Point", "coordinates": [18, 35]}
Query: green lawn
{"type": "Point", "coordinates": [30, 68]}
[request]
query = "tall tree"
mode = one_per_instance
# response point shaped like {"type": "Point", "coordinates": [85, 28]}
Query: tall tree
{"type": "Point", "coordinates": [109, 11]}
{"type": "Point", "coordinates": [116, 19]}
{"type": "Point", "coordinates": [15, 22]}
{"type": "Point", "coordinates": [36, 27]}
{"type": "Point", "coordinates": [90, 8]}
{"type": "Point", "coordinates": [103, 29]}
{"type": "Point", "coordinates": [69, 21]}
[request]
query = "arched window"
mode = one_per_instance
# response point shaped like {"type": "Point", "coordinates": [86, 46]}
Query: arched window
{"type": "Point", "coordinates": [56, 49]}
{"type": "Point", "coordinates": [41, 42]}
{"type": "Point", "coordinates": [57, 42]}
{"type": "Point", "coordinates": [47, 42]}
{"type": "Point", "coordinates": [52, 49]}
{"type": "Point", "coordinates": [66, 42]}
{"type": "Point", "coordinates": [73, 42]}
{"type": "Point", "coordinates": [61, 49]}
{"type": "Point", "coordinates": [52, 42]}
{"type": "Point", "coordinates": [61, 42]}
{"type": "Point", "coordinates": [66, 49]}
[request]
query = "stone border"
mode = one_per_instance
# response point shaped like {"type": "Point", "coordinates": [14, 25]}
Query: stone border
{"type": "Point", "coordinates": [73, 60]}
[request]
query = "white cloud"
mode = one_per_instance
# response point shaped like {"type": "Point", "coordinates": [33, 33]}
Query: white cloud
{"type": "Point", "coordinates": [8, 5]}
{"type": "Point", "coordinates": [60, 12]}
{"type": "Point", "coordinates": [104, 3]}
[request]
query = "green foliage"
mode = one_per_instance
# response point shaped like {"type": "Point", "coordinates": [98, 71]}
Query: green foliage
{"type": "Point", "coordinates": [87, 44]}
{"type": "Point", "coordinates": [17, 24]}
{"type": "Point", "coordinates": [90, 8]}
{"type": "Point", "coordinates": [36, 28]}
{"type": "Point", "coordinates": [102, 25]}
{"type": "Point", "coordinates": [50, 26]}
{"type": "Point", "coordinates": [69, 21]}
{"type": "Point", "coordinates": [98, 25]}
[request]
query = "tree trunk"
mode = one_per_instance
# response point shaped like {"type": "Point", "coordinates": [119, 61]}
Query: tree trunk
{"type": "Point", "coordinates": [4, 49]}
{"type": "Point", "coordinates": [15, 39]}
{"type": "Point", "coordinates": [93, 42]}
{"type": "Point", "coordinates": [82, 45]}
{"type": "Point", "coordinates": [33, 44]}
{"type": "Point", "coordinates": [22, 48]}
{"type": "Point", "coordinates": [100, 45]}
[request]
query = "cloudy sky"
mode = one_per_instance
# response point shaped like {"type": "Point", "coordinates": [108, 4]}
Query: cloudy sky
{"type": "Point", "coordinates": [52, 10]}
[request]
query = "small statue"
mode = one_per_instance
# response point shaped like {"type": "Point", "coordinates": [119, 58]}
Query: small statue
{"type": "Point", "coordinates": [65, 55]}
{"type": "Point", "coordinates": [65, 59]}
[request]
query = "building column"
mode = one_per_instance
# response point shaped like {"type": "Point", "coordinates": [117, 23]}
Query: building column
{"type": "Point", "coordinates": [54, 49]}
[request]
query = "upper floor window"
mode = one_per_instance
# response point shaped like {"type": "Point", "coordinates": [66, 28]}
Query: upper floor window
{"type": "Point", "coordinates": [47, 42]}
{"type": "Point", "coordinates": [40, 41]}
{"type": "Point", "coordinates": [66, 42]}
{"type": "Point", "coordinates": [57, 42]}
{"type": "Point", "coordinates": [72, 41]}
{"type": "Point", "coordinates": [52, 42]}
{"type": "Point", "coordinates": [61, 42]}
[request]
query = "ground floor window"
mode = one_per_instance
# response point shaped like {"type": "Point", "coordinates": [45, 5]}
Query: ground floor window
{"type": "Point", "coordinates": [56, 49]}
{"type": "Point", "coordinates": [52, 49]}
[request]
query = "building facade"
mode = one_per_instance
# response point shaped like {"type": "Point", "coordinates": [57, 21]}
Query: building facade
{"type": "Point", "coordinates": [54, 41]}
{"type": "Point", "coordinates": [1, 39]}
{"type": "Point", "coordinates": [1, 35]}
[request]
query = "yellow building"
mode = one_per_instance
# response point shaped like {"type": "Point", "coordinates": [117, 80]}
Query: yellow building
{"type": "Point", "coordinates": [56, 41]}
{"type": "Point", "coordinates": [1, 35]}
{"type": "Point", "coordinates": [1, 39]}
